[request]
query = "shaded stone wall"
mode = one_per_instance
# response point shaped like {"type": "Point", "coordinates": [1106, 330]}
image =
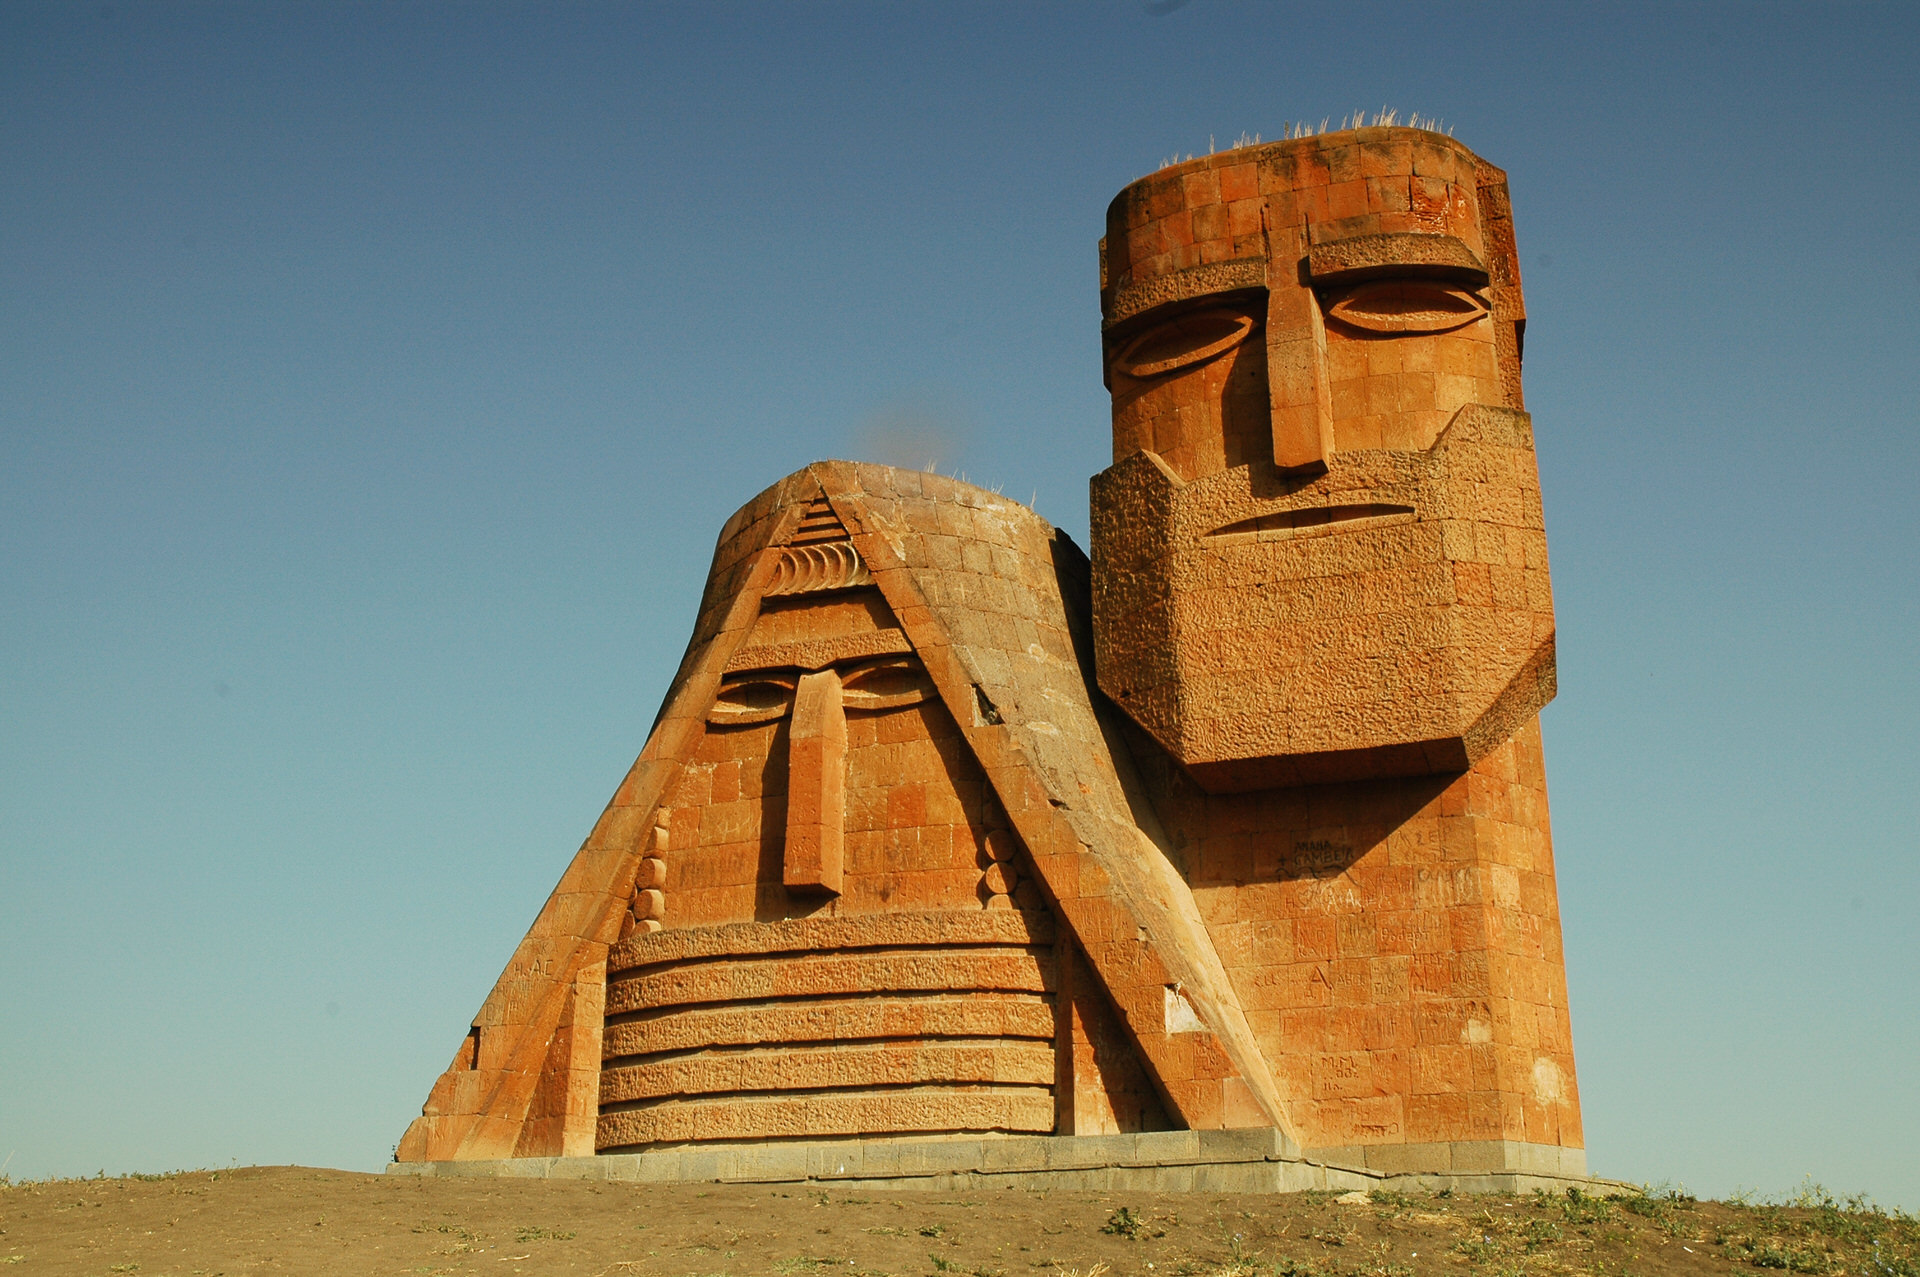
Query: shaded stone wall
{"type": "Point", "coordinates": [1396, 944]}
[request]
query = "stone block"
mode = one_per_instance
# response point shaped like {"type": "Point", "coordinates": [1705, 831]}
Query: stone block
{"type": "Point", "coordinates": [1249, 1144]}
{"type": "Point", "coordinates": [1233, 1177]}
{"type": "Point", "coordinates": [1549, 1159]}
{"type": "Point", "coordinates": [703, 1165]}
{"type": "Point", "coordinates": [1166, 1148]}
{"type": "Point", "coordinates": [605, 1166]}
{"type": "Point", "coordinates": [887, 1159]}
{"type": "Point", "coordinates": [1481, 1157]}
{"type": "Point", "coordinates": [924, 1157]}
{"type": "Point", "coordinates": [1014, 1153]}
{"type": "Point", "coordinates": [667, 1166]}
{"type": "Point", "coordinates": [477, 1169]}
{"type": "Point", "coordinates": [1073, 1152]}
{"type": "Point", "coordinates": [1410, 1159]}
{"type": "Point", "coordinates": [1098, 1179]}
{"type": "Point", "coordinates": [594, 1168]}
{"type": "Point", "coordinates": [1153, 1179]}
{"type": "Point", "coordinates": [840, 1159]}
{"type": "Point", "coordinates": [769, 1163]}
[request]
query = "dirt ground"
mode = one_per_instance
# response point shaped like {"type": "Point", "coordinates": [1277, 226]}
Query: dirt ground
{"type": "Point", "coordinates": [299, 1220]}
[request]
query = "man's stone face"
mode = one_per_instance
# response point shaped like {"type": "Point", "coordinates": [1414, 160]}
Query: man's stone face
{"type": "Point", "coordinates": [1302, 302]}
{"type": "Point", "coordinates": [1399, 354]}
{"type": "Point", "coordinates": [1290, 547]}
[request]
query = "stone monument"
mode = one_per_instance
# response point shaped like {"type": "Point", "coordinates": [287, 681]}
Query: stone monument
{"type": "Point", "coordinates": [946, 831]}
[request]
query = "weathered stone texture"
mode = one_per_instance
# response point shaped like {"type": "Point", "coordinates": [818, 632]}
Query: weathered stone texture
{"type": "Point", "coordinates": [890, 866]}
{"type": "Point", "coordinates": [859, 1112]}
{"type": "Point", "coordinates": [1391, 617]}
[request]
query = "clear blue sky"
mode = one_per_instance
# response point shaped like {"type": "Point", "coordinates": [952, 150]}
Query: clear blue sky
{"type": "Point", "coordinates": [374, 381]}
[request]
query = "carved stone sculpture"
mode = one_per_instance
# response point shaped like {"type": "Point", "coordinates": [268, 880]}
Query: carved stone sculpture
{"type": "Point", "coordinates": [1320, 550]}
{"type": "Point", "coordinates": [945, 828]}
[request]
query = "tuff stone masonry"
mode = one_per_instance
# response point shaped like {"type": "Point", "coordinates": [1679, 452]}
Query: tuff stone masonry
{"type": "Point", "coordinates": [947, 831]}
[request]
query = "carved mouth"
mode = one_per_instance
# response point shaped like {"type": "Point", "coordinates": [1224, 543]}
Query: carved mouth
{"type": "Point", "coordinates": [1312, 521]}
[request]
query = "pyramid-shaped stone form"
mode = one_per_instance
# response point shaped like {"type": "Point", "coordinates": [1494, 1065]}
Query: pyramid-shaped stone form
{"type": "Point", "coordinates": [877, 865]}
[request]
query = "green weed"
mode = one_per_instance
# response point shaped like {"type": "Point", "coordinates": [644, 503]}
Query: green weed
{"type": "Point", "coordinates": [1879, 1265]}
{"type": "Point", "coordinates": [1479, 1249]}
{"type": "Point", "coordinates": [1538, 1233]}
{"type": "Point", "coordinates": [1792, 1258]}
{"type": "Point", "coordinates": [1584, 1208]}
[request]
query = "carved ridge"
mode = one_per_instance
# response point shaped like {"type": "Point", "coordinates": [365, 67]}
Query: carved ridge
{"type": "Point", "coordinates": [812, 569]}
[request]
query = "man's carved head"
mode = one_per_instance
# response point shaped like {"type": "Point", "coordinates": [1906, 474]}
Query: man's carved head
{"type": "Point", "coordinates": [1318, 554]}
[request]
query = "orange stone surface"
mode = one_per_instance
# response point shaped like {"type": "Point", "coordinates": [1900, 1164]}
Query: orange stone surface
{"type": "Point", "coordinates": [946, 828]}
{"type": "Point", "coordinates": [1319, 554]}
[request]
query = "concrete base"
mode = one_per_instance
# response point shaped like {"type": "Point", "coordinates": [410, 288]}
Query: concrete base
{"type": "Point", "coordinates": [1246, 1161]}
{"type": "Point", "coordinates": [1461, 1157]}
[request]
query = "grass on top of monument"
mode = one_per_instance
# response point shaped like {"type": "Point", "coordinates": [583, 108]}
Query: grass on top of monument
{"type": "Point", "coordinates": [301, 1220]}
{"type": "Point", "coordinates": [1294, 130]}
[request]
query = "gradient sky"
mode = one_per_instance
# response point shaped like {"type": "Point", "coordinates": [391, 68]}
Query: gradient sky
{"type": "Point", "coordinates": [374, 381]}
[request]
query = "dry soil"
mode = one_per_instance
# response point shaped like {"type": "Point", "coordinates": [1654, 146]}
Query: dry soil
{"type": "Point", "coordinates": [300, 1220]}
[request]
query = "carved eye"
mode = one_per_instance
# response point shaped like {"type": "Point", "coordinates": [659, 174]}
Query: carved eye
{"type": "Point", "coordinates": [1189, 339]}
{"type": "Point", "coordinates": [885, 684]}
{"type": "Point", "coordinates": [759, 699]}
{"type": "Point", "coordinates": [1408, 306]}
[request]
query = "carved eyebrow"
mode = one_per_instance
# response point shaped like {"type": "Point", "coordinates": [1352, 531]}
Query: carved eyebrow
{"type": "Point", "coordinates": [1401, 253]}
{"type": "Point", "coordinates": [818, 653]}
{"type": "Point", "coordinates": [1193, 283]}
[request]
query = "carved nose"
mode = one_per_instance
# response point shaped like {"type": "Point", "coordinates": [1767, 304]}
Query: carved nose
{"type": "Point", "coordinates": [816, 787]}
{"type": "Point", "coordinates": [1302, 399]}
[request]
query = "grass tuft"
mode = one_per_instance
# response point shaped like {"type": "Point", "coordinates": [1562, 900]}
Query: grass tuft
{"type": "Point", "coordinates": [1293, 130]}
